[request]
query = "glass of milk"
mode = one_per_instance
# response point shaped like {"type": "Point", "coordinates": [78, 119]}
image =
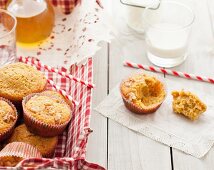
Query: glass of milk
{"type": "Point", "coordinates": [167, 33]}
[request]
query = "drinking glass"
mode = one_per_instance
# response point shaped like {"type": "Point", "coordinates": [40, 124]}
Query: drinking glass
{"type": "Point", "coordinates": [7, 38]}
{"type": "Point", "coordinates": [167, 31]}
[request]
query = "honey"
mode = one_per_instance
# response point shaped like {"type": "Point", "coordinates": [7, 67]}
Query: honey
{"type": "Point", "coordinates": [35, 19]}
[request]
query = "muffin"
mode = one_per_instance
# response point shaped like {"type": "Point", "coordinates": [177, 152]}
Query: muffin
{"type": "Point", "coordinates": [15, 152]}
{"type": "Point", "coordinates": [45, 116]}
{"type": "Point", "coordinates": [18, 80]}
{"type": "Point", "coordinates": [46, 146]}
{"type": "Point", "coordinates": [187, 104]}
{"type": "Point", "coordinates": [56, 96]}
{"type": "Point", "coordinates": [142, 93]}
{"type": "Point", "coordinates": [8, 118]}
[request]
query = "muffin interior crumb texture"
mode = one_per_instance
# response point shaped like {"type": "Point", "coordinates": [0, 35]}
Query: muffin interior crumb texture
{"type": "Point", "coordinates": [44, 145]}
{"type": "Point", "coordinates": [7, 116]}
{"type": "Point", "coordinates": [187, 104]}
{"type": "Point", "coordinates": [10, 161]}
{"type": "Point", "coordinates": [48, 110]}
{"type": "Point", "coordinates": [143, 90]}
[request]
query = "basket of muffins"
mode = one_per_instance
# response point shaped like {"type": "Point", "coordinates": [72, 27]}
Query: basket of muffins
{"type": "Point", "coordinates": [31, 116]}
{"type": "Point", "coordinates": [143, 94]}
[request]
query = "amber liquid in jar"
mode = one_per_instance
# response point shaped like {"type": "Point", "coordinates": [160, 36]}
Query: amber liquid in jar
{"type": "Point", "coordinates": [35, 20]}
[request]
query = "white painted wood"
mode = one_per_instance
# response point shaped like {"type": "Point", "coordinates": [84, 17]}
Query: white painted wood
{"type": "Point", "coordinates": [200, 61]}
{"type": "Point", "coordinates": [97, 143]}
{"type": "Point", "coordinates": [128, 150]}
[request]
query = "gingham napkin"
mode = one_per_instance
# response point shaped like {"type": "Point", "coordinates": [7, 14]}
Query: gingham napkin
{"type": "Point", "coordinates": [192, 137]}
{"type": "Point", "coordinates": [65, 5]}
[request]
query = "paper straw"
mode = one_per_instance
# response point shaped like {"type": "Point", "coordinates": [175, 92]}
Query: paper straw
{"type": "Point", "coordinates": [169, 72]}
{"type": "Point", "coordinates": [51, 69]}
{"type": "Point", "coordinates": [57, 88]}
{"type": "Point", "coordinates": [62, 92]}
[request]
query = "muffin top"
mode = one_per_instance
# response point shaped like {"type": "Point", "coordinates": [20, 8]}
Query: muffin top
{"type": "Point", "coordinates": [44, 145]}
{"type": "Point", "coordinates": [143, 90]}
{"type": "Point", "coordinates": [56, 96]}
{"type": "Point", "coordinates": [47, 110]}
{"type": "Point", "coordinates": [7, 116]}
{"type": "Point", "coordinates": [18, 80]}
{"type": "Point", "coordinates": [188, 104]}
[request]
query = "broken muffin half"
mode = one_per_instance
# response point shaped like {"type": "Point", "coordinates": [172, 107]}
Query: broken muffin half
{"type": "Point", "coordinates": [187, 104]}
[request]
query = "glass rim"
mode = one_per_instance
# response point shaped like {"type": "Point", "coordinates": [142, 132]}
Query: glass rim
{"type": "Point", "coordinates": [14, 26]}
{"type": "Point", "coordinates": [172, 2]}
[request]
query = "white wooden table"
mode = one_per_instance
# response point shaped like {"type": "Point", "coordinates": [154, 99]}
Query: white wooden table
{"type": "Point", "coordinates": [118, 148]}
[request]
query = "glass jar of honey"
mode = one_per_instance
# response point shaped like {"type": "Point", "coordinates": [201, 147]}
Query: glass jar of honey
{"type": "Point", "coordinates": [35, 19]}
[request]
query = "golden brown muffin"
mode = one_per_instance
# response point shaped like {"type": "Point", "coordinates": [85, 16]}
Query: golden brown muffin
{"type": "Point", "coordinates": [187, 104]}
{"type": "Point", "coordinates": [48, 110]}
{"type": "Point", "coordinates": [44, 115]}
{"type": "Point", "coordinates": [19, 80]}
{"type": "Point", "coordinates": [46, 146]}
{"type": "Point", "coordinates": [15, 152]}
{"type": "Point", "coordinates": [8, 118]}
{"type": "Point", "coordinates": [56, 96]}
{"type": "Point", "coordinates": [142, 93]}
{"type": "Point", "coordinates": [10, 161]}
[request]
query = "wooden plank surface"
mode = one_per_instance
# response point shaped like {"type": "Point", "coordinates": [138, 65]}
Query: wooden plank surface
{"type": "Point", "coordinates": [97, 143]}
{"type": "Point", "coordinates": [119, 148]}
{"type": "Point", "coordinates": [200, 61]}
{"type": "Point", "coordinates": [128, 150]}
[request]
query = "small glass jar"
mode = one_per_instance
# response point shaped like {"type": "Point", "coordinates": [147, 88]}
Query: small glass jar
{"type": "Point", "coordinates": [7, 38]}
{"type": "Point", "coordinates": [35, 19]}
{"type": "Point", "coordinates": [134, 12]}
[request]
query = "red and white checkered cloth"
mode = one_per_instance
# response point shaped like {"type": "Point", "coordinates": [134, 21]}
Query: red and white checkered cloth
{"type": "Point", "coordinates": [66, 5]}
{"type": "Point", "coordinates": [71, 148]}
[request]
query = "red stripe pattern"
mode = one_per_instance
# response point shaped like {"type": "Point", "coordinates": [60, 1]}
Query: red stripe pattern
{"type": "Point", "coordinates": [187, 75]}
{"type": "Point", "coordinates": [20, 149]}
{"type": "Point", "coordinates": [169, 72]}
{"type": "Point", "coordinates": [51, 69]}
{"type": "Point", "coordinates": [175, 73]}
{"type": "Point", "coordinates": [71, 149]}
{"type": "Point", "coordinates": [66, 5]}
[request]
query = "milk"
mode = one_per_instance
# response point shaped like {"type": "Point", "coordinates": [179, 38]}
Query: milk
{"type": "Point", "coordinates": [167, 40]}
{"type": "Point", "coordinates": [135, 11]}
{"type": "Point", "coordinates": [134, 18]}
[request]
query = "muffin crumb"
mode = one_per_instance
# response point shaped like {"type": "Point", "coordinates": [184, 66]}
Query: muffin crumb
{"type": "Point", "coordinates": [187, 104]}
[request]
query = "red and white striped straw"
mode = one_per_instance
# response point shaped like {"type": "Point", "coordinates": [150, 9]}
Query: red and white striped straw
{"type": "Point", "coordinates": [168, 71]}
{"type": "Point", "coordinates": [57, 88]}
{"type": "Point", "coordinates": [62, 92]}
{"type": "Point", "coordinates": [52, 69]}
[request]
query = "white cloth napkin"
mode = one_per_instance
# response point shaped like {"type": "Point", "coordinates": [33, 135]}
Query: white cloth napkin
{"type": "Point", "coordinates": [192, 137]}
